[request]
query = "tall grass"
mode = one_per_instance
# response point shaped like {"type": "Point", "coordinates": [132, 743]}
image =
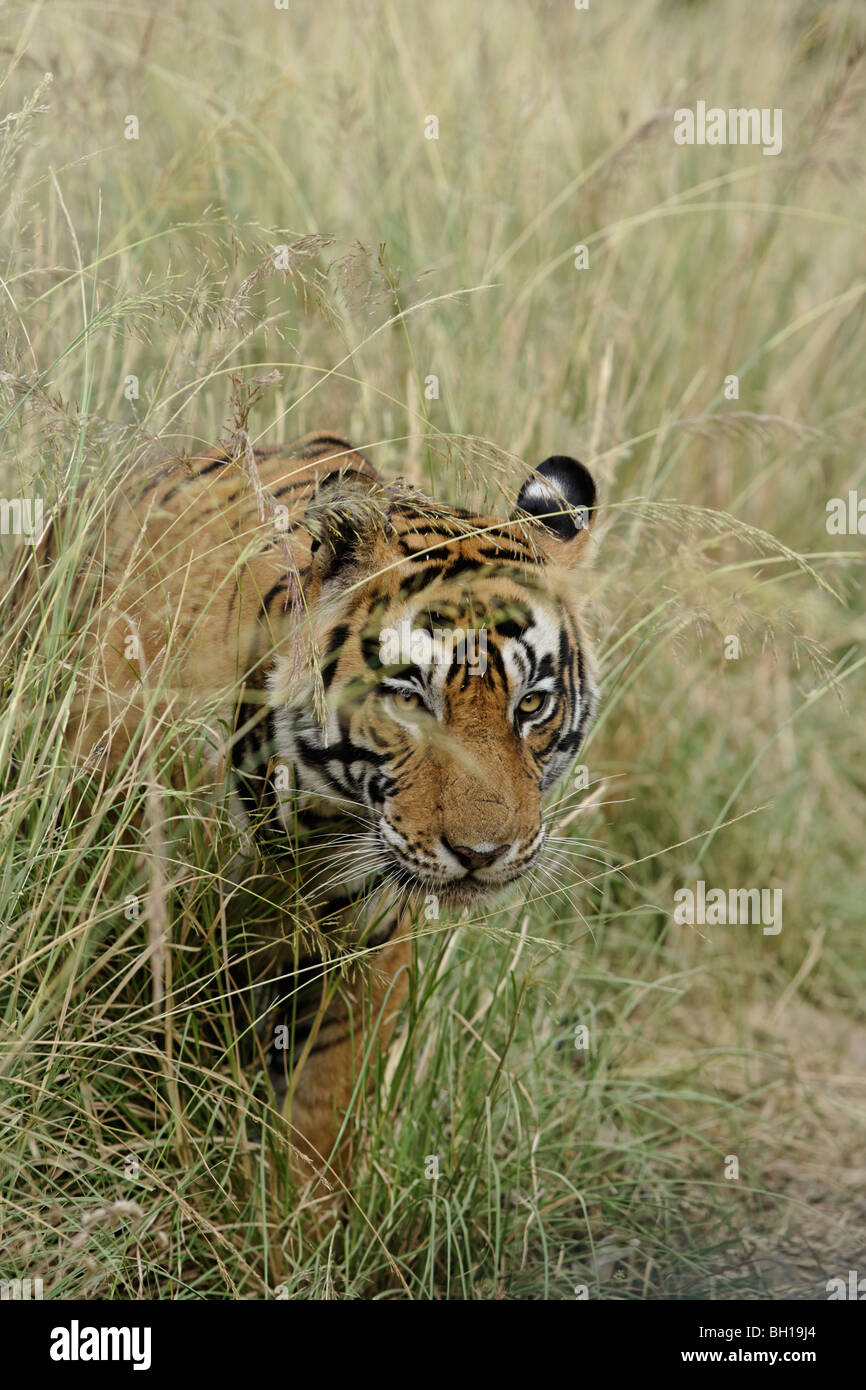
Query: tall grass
{"type": "Point", "coordinates": [140, 1156]}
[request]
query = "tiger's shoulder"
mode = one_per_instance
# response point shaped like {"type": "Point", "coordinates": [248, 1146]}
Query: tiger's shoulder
{"type": "Point", "coordinates": [198, 573]}
{"type": "Point", "coordinates": [211, 545]}
{"type": "Point", "coordinates": [222, 481]}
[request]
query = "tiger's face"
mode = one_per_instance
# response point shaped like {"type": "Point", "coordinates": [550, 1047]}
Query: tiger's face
{"type": "Point", "coordinates": [458, 689]}
{"type": "Point", "coordinates": [479, 720]}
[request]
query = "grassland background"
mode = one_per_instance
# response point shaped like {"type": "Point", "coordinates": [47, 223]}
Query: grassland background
{"type": "Point", "coordinates": [454, 257]}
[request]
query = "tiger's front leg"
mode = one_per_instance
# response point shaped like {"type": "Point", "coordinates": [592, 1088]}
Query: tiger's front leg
{"type": "Point", "coordinates": [335, 1038]}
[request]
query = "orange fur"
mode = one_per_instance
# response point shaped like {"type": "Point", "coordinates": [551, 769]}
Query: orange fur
{"type": "Point", "coordinates": [249, 597]}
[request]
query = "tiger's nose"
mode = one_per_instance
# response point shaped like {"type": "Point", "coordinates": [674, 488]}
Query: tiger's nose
{"type": "Point", "coordinates": [477, 856]}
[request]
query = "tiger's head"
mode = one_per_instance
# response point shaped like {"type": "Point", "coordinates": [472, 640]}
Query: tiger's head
{"type": "Point", "coordinates": [456, 683]}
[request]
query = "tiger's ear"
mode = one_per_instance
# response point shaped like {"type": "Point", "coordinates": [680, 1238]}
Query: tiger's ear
{"type": "Point", "coordinates": [558, 499]}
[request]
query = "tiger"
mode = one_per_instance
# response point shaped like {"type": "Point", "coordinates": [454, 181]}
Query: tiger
{"type": "Point", "coordinates": [391, 686]}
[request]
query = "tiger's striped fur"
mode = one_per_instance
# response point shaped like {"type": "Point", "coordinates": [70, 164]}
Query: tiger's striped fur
{"type": "Point", "coordinates": [255, 600]}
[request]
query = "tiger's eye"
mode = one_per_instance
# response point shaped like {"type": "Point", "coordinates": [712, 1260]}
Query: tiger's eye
{"type": "Point", "coordinates": [407, 699]}
{"type": "Point", "coordinates": [531, 704]}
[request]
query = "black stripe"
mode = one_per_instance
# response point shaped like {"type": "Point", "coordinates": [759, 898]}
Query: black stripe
{"type": "Point", "coordinates": [281, 585]}
{"type": "Point", "coordinates": [332, 656]}
{"type": "Point", "coordinates": [332, 1042]}
{"type": "Point", "coordinates": [325, 444]}
{"type": "Point", "coordinates": [583, 697]}
{"type": "Point", "coordinates": [293, 487]}
{"type": "Point", "coordinates": [166, 473]}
